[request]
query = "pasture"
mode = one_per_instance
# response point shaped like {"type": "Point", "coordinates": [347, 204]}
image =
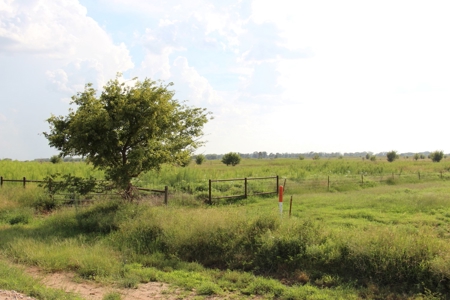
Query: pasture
{"type": "Point", "coordinates": [359, 229]}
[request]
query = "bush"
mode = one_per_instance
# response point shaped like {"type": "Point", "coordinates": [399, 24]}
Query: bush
{"type": "Point", "coordinates": [56, 159]}
{"type": "Point", "coordinates": [392, 155]}
{"type": "Point", "coordinates": [231, 159]}
{"type": "Point", "coordinates": [437, 156]}
{"type": "Point", "coordinates": [199, 159]}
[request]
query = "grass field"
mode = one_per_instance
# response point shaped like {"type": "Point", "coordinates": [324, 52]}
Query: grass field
{"type": "Point", "coordinates": [385, 239]}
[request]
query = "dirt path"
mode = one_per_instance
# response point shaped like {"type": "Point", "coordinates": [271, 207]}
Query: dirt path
{"type": "Point", "coordinates": [93, 291]}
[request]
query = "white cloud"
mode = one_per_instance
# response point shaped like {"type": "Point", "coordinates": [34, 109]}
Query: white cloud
{"type": "Point", "coordinates": [192, 84]}
{"type": "Point", "coordinates": [60, 31]}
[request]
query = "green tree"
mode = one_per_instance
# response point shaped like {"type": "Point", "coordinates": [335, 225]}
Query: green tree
{"type": "Point", "coordinates": [437, 156]}
{"type": "Point", "coordinates": [128, 129]}
{"type": "Point", "coordinates": [231, 159]}
{"type": "Point", "coordinates": [199, 159]}
{"type": "Point", "coordinates": [392, 155]}
{"type": "Point", "coordinates": [416, 156]}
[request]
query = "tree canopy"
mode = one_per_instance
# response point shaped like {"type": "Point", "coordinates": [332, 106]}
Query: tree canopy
{"type": "Point", "coordinates": [128, 129]}
{"type": "Point", "coordinates": [437, 156]}
{"type": "Point", "coordinates": [392, 155]}
{"type": "Point", "coordinates": [231, 159]}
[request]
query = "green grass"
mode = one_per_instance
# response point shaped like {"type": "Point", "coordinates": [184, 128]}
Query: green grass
{"type": "Point", "coordinates": [13, 278]}
{"type": "Point", "coordinates": [376, 242]}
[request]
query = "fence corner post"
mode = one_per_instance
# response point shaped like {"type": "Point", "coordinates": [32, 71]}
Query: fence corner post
{"type": "Point", "coordinates": [276, 188]}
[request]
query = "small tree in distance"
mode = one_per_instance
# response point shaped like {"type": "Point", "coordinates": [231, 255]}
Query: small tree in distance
{"type": "Point", "coordinates": [391, 156]}
{"type": "Point", "coordinates": [56, 159]}
{"type": "Point", "coordinates": [437, 156]}
{"type": "Point", "coordinates": [231, 159]}
{"type": "Point", "coordinates": [199, 159]}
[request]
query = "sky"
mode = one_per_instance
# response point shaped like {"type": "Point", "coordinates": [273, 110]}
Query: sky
{"type": "Point", "coordinates": [277, 76]}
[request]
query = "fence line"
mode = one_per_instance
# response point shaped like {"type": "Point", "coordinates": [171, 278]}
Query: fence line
{"type": "Point", "coordinates": [245, 195]}
{"type": "Point", "coordinates": [24, 181]}
{"type": "Point", "coordinates": [324, 182]}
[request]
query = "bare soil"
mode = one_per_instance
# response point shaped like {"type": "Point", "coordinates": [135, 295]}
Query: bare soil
{"type": "Point", "coordinates": [93, 291]}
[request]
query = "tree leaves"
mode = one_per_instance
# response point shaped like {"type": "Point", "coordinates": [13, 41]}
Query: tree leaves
{"type": "Point", "coordinates": [128, 130]}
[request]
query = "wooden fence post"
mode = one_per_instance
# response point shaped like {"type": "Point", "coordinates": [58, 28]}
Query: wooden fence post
{"type": "Point", "coordinates": [1, 181]}
{"type": "Point", "coordinates": [166, 194]}
{"type": "Point", "coordinates": [24, 182]}
{"type": "Point", "coordinates": [245, 188]}
{"type": "Point", "coordinates": [276, 188]}
{"type": "Point", "coordinates": [210, 197]}
{"type": "Point", "coordinates": [328, 184]}
{"type": "Point", "coordinates": [290, 207]}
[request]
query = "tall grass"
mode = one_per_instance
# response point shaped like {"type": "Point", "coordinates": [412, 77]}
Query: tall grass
{"type": "Point", "coordinates": [367, 243]}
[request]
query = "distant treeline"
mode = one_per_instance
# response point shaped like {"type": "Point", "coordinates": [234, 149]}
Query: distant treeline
{"type": "Point", "coordinates": [264, 154]}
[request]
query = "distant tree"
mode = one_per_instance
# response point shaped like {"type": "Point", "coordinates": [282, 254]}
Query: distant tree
{"type": "Point", "coordinates": [231, 159]}
{"type": "Point", "coordinates": [128, 129]}
{"type": "Point", "coordinates": [416, 156]}
{"type": "Point", "coordinates": [56, 159]}
{"type": "Point", "coordinates": [422, 156]}
{"type": "Point", "coordinates": [392, 155]}
{"type": "Point", "coordinates": [199, 159]}
{"type": "Point", "coordinates": [373, 158]}
{"type": "Point", "coordinates": [367, 155]}
{"type": "Point", "coordinates": [316, 156]}
{"type": "Point", "coordinates": [437, 156]}
{"type": "Point", "coordinates": [301, 157]}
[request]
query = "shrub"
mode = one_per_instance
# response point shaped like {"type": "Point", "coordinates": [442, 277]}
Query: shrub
{"type": "Point", "coordinates": [437, 156]}
{"type": "Point", "coordinates": [56, 159]}
{"type": "Point", "coordinates": [199, 159]}
{"type": "Point", "coordinates": [392, 155]}
{"type": "Point", "coordinates": [231, 159]}
{"type": "Point", "coordinates": [208, 288]}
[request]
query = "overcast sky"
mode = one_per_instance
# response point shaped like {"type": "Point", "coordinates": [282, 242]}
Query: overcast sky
{"type": "Point", "coordinates": [278, 76]}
